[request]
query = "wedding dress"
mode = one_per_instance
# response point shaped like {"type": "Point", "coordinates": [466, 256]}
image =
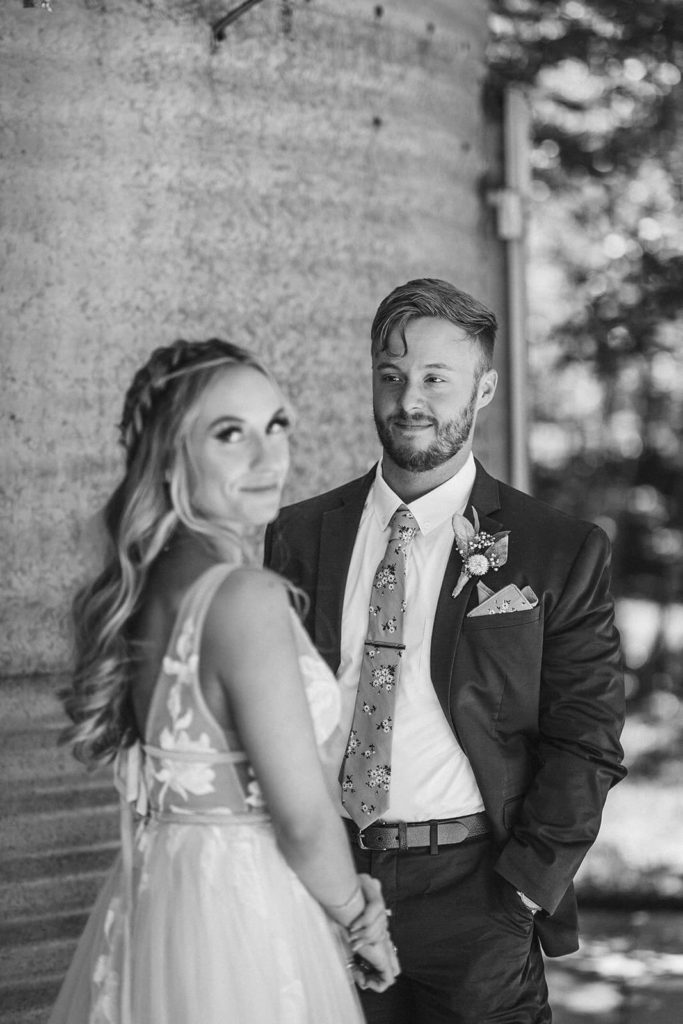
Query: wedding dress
{"type": "Point", "coordinates": [201, 921]}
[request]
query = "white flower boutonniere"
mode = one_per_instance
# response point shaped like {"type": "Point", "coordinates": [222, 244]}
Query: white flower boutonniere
{"type": "Point", "coordinates": [481, 552]}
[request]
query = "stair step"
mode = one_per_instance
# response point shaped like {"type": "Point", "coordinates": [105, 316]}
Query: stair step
{"type": "Point", "coordinates": [30, 1015]}
{"type": "Point", "coordinates": [31, 931]}
{"type": "Point", "coordinates": [58, 793]}
{"type": "Point", "coordinates": [29, 1002]}
{"type": "Point", "coordinates": [51, 895]}
{"type": "Point", "coordinates": [52, 865]}
{"type": "Point", "coordinates": [23, 965]}
{"type": "Point", "coordinates": [58, 828]}
{"type": "Point", "coordinates": [29, 753]}
{"type": "Point", "coordinates": [59, 837]}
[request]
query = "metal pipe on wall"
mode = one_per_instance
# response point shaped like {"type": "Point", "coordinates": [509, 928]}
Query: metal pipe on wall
{"type": "Point", "coordinates": [511, 202]}
{"type": "Point", "coordinates": [517, 130]}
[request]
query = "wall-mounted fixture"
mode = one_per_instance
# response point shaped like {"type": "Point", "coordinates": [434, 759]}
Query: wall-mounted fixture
{"type": "Point", "coordinates": [220, 26]}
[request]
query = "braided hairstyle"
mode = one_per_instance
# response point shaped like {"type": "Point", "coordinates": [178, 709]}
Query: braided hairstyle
{"type": "Point", "coordinates": [153, 497]}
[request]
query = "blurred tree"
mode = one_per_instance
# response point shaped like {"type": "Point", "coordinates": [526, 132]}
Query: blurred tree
{"type": "Point", "coordinates": [606, 280]}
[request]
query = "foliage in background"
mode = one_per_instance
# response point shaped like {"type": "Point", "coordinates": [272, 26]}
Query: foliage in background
{"type": "Point", "coordinates": [606, 289]}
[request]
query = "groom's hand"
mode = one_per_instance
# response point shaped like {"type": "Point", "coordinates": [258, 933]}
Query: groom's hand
{"type": "Point", "coordinates": [376, 965]}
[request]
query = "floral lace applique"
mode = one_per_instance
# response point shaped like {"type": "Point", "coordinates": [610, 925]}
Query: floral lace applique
{"type": "Point", "coordinates": [255, 799]}
{"type": "Point", "coordinates": [143, 843]}
{"type": "Point", "coordinates": [185, 667]}
{"type": "Point", "coordinates": [183, 777]}
{"type": "Point", "coordinates": [105, 1007]}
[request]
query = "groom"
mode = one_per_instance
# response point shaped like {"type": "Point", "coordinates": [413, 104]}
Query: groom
{"type": "Point", "coordinates": [471, 630]}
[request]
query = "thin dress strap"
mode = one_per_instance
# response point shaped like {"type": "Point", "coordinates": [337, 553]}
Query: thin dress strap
{"type": "Point", "coordinates": [185, 642]}
{"type": "Point", "coordinates": [200, 594]}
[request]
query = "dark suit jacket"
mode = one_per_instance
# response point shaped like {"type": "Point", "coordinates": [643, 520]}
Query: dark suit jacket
{"type": "Point", "coordinates": [534, 697]}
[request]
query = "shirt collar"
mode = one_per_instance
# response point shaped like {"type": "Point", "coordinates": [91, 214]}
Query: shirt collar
{"type": "Point", "coordinates": [433, 508]}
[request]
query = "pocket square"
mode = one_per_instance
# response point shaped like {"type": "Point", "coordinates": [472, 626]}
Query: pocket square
{"type": "Point", "coordinates": [509, 599]}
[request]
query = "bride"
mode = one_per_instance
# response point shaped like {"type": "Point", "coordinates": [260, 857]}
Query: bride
{"type": "Point", "coordinates": [234, 897]}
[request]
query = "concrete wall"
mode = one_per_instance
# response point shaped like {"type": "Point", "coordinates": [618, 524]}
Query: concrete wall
{"type": "Point", "coordinates": [270, 189]}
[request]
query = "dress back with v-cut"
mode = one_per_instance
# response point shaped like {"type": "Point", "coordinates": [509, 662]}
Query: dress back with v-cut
{"type": "Point", "coordinates": [200, 918]}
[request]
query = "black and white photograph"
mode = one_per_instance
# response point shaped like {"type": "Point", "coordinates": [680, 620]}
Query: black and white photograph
{"type": "Point", "coordinates": [341, 386]}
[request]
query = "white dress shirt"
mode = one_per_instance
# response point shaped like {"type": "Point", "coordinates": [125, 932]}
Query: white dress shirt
{"type": "Point", "coordinates": [430, 775]}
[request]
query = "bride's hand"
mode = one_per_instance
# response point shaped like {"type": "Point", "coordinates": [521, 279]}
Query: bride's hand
{"type": "Point", "coordinates": [380, 965]}
{"type": "Point", "coordinates": [371, 924]}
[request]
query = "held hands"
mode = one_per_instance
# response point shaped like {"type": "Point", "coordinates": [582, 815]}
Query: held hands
{"type": "Point", "coordinates": [374, 963]}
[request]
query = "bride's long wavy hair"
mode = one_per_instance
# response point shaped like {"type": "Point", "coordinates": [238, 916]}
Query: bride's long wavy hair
{"type": "Point", "coordinates": [140, 517]}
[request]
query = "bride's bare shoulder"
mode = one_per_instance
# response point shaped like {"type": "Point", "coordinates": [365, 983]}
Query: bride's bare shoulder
{"type": "Point", "coordinates": [247, 624]}
{"type": "Point", "coordinates": [249, 594]}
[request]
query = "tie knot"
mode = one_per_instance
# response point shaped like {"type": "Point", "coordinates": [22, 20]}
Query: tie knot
{"type": "Point", "coordinates": [403, 525]}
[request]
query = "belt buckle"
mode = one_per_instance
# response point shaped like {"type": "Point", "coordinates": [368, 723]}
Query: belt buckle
{"type": "Point", "coordinates": [379, 846]}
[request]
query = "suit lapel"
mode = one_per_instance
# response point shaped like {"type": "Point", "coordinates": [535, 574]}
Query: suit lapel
{"type": "Point", "coordinates": [337, 537]}
{"type": "Point", "coordinates": [450, 611]}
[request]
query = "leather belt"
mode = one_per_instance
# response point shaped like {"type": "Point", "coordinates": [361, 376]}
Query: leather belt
{"type": "Point", "coordinates": [408, 835]}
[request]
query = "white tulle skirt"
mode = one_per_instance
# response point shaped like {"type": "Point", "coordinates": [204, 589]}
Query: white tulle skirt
{"type": "Point", "coordinates": [220, 931]}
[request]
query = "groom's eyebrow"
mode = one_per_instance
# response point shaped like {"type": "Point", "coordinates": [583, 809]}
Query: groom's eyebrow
{"type": "Point", "coordinates": [387, 365]}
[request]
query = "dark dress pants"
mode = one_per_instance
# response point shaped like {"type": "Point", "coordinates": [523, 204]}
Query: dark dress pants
{"type": "Point", "coordinates": [465, 940]}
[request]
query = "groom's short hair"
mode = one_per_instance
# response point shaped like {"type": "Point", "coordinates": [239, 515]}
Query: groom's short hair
{"type": "Point", "coordinates": [429, 296]}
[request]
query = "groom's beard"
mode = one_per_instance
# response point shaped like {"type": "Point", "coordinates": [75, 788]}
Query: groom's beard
{"type": "Point", "coordinates": [449, 440]}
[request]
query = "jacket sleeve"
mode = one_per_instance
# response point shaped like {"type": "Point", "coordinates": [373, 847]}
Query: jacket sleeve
{"type": "Point", "coordinates": [581, 714]}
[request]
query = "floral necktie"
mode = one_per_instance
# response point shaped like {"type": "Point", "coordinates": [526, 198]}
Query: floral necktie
{"type": "Point", "coordinates": [366, 769]}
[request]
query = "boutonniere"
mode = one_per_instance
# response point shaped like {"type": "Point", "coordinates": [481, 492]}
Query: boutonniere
{"type": "Point", "coordinates": [481, 552]}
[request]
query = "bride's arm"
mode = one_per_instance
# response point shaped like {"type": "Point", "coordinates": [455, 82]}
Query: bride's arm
{"type": "Point", "coordinates": [249, 639]}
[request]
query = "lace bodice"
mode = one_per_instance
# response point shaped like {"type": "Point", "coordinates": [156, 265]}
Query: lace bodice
{"type": "Point", "coordinates": [191, 768]}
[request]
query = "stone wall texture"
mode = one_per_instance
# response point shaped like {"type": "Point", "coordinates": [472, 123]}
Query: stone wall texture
{"type": "Point", "coordinates": [270, 189]}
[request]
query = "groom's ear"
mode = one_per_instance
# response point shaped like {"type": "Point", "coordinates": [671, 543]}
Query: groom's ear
{"type": "Point", "coordinates": [486, 388]}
